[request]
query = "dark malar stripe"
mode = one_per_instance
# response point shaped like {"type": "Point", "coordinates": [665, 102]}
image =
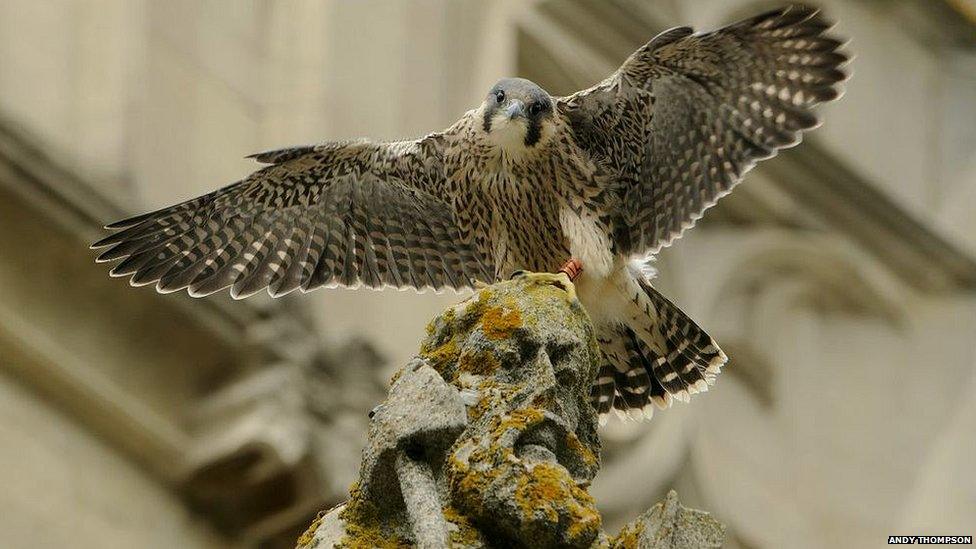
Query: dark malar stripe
{"type": "Point", "coordinates": [535, 132]}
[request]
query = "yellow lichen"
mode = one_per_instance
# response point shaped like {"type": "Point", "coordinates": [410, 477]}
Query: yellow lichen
{"type": "Point", "coordinates": [490, 394]}
{"type": "Point", "coordinates": [578, 448]}
{"type": "Point", "coordinates": [464, 533]}
{"type": "Point", "coordinates": [539, 490]}
{"type": "Point", "coordinates": [500, 322]}
{"type": "Point", "coordinates": [543, 401]}
{"type": "Point", "coordinates": [519, 420]}
{"type": "Point", "coordinates": [547, 489]}
{"type": "Point", "coordinates": [585, 521]}
{"type": "Point", "coordinates": [441, 357]}
{"type": "Point", "coordinates": [446, 335]}
{"type": "Point", "coordinates": [470, 478]}
{"type": "Point", "coordinates": [363, 525]}
{"type": "Point", "coordinates": [476, 307]}
{"type": "Point", "coordinates": [540, 298]}
{"type": "Point", "coordinates": [307, 537]}
{"type": "Point", "coordinates": [629, 537]}
{"type": "Point", "coordinates": [480, 363]}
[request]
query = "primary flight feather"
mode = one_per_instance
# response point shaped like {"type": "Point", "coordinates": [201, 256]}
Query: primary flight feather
{"type": "Point", "coordinates": [526, 181]}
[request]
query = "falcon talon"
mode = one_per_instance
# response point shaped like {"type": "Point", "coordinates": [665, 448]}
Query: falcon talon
{"type": "Point", "coordinates": [560, 280]}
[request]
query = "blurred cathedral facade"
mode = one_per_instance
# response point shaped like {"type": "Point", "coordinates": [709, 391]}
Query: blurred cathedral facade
{"type": "Point", "coordinates": [840, 277]}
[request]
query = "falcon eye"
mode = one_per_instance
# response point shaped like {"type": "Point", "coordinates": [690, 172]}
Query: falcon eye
{"type": "Point", "coordinates": [499, 96]}
{"type": "Point", "coordinates": [536, 108]}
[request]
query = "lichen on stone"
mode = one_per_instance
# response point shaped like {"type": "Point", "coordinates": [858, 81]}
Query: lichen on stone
{"type": "Point", "coordinates": [580, 449]}
{"type": "Point", "coordinates": [477, 362]}
{"type": "Point", "coordinates": [500, 322]}
{"type": "Point", "coordinates": [364, 525]}
{"type": "Point", "coordinates": [629, 537]}
{"type": "Point", "coordinates": [462, 532]}
{"type": "Point", "coordinates": [547, 492]}
{"type": "Point", "coordinates": [308, 536]}
{"type": "Point", "coordinates": [526, 447]}
{"type": "Point", "coordinates": [441, 357]}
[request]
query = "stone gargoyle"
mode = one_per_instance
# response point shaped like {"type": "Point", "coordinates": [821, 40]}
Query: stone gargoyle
{"type": "Point", "coordinates": [488, 438]}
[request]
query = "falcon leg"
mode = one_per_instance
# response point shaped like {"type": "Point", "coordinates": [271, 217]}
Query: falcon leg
{"type": "Point", "coordinates": [563, 278]}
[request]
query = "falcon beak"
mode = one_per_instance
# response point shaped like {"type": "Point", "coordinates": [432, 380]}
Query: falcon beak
{"type": "Point", "coordinates": [515, 109]}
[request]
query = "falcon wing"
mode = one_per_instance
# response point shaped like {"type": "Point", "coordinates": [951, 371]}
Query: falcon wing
{"type": "Point", "coordinates": [688, 114]}
{"type": "Point", "coordinates": [334, 214]}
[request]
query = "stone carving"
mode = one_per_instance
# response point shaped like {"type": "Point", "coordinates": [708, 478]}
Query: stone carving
{"type": "Point", "coordinates": [284, 439]}
{"type": "Point", "coordinates": [488, 439]}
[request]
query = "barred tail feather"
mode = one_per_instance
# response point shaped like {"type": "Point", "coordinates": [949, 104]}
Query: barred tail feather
{"type": "Point", "coordinates": [659, 355]}
{"type": "Point", "coordinates": [692, 351]}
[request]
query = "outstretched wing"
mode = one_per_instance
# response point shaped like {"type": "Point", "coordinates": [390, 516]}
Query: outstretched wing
{"type": "Point", "coordinates": [688, 114]}
{"type": "Point", "coordinates": [334, 214]}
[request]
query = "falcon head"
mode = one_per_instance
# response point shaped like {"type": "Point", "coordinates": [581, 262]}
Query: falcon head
{"type": "Point", "coordinates": [518, 115]}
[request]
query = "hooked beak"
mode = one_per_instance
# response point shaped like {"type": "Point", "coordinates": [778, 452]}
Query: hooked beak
{"type": "Point", "coordinates": [515, 109]}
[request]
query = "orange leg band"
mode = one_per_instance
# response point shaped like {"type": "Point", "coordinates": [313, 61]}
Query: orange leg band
{"type": "Point", "coordinates": [573, 268]}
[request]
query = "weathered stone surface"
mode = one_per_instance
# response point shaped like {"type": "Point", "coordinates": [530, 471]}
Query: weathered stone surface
{"type": "Point", "coordinates": [423, 415]}
{"type": "Point", "coordinates": [488, 438]}
{"type": "Point", "coordinates": [670, 525]}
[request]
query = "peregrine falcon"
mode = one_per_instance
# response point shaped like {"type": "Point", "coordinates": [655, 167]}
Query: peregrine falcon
{"type": "Point", "coordinates": [601, 179]}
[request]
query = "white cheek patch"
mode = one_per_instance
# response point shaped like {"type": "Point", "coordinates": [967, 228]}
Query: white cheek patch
{"type": "Point", "coordinates": [546, 131]}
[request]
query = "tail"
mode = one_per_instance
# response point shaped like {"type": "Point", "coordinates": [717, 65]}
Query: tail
{"type": "Point", "coordinates": [654, 356]}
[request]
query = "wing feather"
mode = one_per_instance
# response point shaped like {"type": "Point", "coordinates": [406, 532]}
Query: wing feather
{"type": "Point", "coordinates": [683, 119]}
{"type": "Point", "coordinates": [335, 214]}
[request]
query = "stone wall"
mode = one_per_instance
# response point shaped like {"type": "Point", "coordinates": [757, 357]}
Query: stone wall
{"type": "Point", "coordinates": [63, 487]}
